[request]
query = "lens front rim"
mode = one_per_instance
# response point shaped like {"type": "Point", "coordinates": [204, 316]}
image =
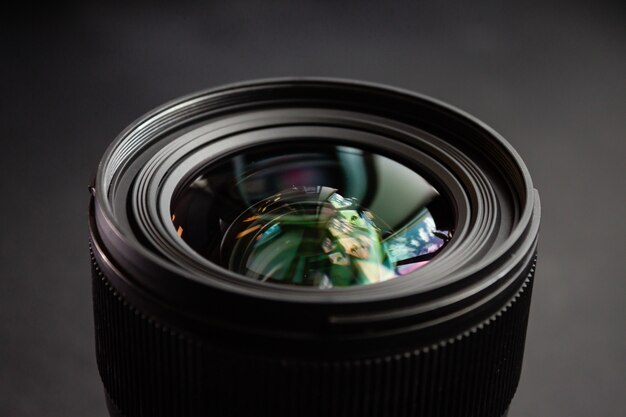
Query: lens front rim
{"type": "Point", "coordinates": [484, 279]}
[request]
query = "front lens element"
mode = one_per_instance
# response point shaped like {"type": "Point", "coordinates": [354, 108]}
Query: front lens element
{"type": "Point", "coordinates": [323, 216]}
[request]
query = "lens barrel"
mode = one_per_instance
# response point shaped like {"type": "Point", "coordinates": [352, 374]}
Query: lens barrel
{"type": "Point", "coordinates": [231, 233]}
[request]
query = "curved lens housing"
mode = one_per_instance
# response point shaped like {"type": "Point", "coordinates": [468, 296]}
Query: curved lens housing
{"type": "Point", "coordinates": [310, 247]}
{"type": "Point", "coordinates": [322, 216]}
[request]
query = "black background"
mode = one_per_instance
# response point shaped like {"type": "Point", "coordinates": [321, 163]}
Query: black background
{"type": "Point", "coordinates": [551, 77]}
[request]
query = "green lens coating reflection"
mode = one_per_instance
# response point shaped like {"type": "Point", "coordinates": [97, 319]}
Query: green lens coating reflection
{"type": "Point", "coordinates": [330, 216]}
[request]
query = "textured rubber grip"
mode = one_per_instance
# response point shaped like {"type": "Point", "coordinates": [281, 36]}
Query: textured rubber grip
{"type": "Point", "coordinates": [151, 370]}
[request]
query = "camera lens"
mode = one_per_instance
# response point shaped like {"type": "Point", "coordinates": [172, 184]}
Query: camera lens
{"type": "Point", "coordinates": [311, 247]}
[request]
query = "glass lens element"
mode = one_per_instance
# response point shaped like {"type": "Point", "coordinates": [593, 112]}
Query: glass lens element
{"type": "Point", "coordinates": [323, 216]}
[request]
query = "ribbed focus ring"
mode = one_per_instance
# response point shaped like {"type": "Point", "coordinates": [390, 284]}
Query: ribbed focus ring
{"type": "Point", "coordinates": [151, 370]}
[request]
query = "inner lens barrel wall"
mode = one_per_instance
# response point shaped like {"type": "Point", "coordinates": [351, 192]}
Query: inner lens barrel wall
{"type": "Point", "coordinates": [311, 247]}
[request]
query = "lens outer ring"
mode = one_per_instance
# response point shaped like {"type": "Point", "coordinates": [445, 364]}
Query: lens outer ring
{"type": "Point", "coordinates": [140, 291]}
{"type": "Point", "coordinates": [151, 369]}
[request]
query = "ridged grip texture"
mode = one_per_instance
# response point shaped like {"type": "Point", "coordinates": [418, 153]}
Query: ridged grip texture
{"type": "Point", "coordinates": [150, 370]}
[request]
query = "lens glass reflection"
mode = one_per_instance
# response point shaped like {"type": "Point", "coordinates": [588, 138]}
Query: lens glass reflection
{"type": "Point", "coordinates": [315, 215]}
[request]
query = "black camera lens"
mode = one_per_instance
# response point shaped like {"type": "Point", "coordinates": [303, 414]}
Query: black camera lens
{"type": "Point", "coordinates": [311, 247]}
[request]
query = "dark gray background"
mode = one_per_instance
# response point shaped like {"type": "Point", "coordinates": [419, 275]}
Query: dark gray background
{"type": "Point", "coordinates": [550, 77]}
